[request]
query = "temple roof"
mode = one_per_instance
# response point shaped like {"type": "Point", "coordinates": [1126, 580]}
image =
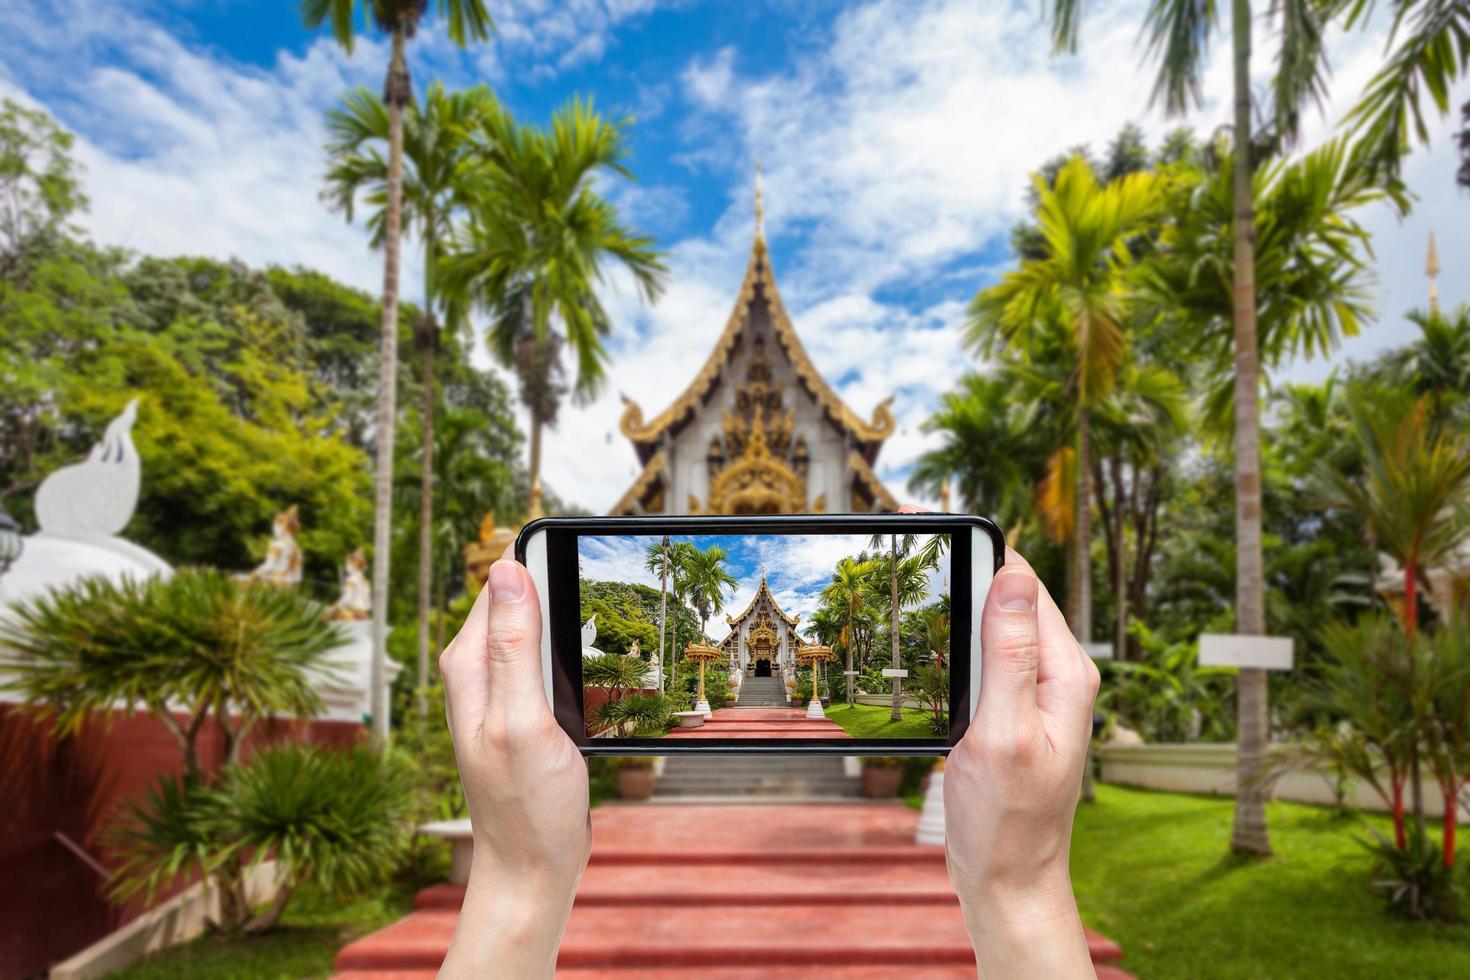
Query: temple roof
{"type": "Point", "coordinates": [867, 435]}
{"type": "Point", "coordinates": [762, 590]}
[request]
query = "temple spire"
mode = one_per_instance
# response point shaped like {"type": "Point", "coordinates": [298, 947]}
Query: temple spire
{"type": "Point", "coordinates": [760, 205]}
{"type": "Point", "coordinates": [1431, 269]}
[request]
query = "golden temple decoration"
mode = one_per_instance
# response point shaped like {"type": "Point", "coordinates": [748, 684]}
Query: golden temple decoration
{"type": "Point", "coordinates": [701, 654]}
{"type": "Point", "coordinates": [763, 590]}
{"type": "Point", "coordinates": [480, 555]}
{"type": "Point", "coordinates": [653, 471]}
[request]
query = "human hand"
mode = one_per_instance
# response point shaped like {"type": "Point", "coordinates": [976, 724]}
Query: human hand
{"type": "Point", "coordinates": [525, 783]}
{"type": "Point", "coordinates": [1011, 785]}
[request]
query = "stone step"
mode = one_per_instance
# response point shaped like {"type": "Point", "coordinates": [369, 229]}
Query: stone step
{"type": "Point", "coordinates": [1104, 972]}
{"type": "Point", "coordinates": [704, 937]}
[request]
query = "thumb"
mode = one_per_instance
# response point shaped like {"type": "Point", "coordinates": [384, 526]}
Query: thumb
{"type": "Point", "coordinates": [1010, 647]}
{"type": "Point", "coordinates": [512, 642]}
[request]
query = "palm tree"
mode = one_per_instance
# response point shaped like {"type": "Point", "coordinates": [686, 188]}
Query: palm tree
{"type": "Point", "coordinates": [1438, 363]}
{"type": "Point", "coordinates": [907, 585]}
{"type": "Point", "coordinates": [657, 560]}
{"type": "Point", "coordinates": [399, 19]}
{"type": "Point", "coordinates": [680, 560]}
{"type": "Point", "coordinates": [434, 152]}
{"type": "Point", "coordinates": [845, 593]}
{"type": "Point", "coordinates": [707, 579]}
{"type": "Point", "coordinates": [1433, 52]}
{"type": "Point", "coordinates": [1306, 259]}
{"type": "Point", "coordinates": [534, 251]}
{"type": "Point", "coordinates": [200, 644]}
{"type": "Point", "coordinates": [1075, 290]}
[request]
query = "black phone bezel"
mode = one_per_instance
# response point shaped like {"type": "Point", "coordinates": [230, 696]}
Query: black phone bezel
{"type": "Point", "coordinates": [562, 576]}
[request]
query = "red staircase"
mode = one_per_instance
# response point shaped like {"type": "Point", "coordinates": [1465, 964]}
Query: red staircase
{"type": "Point", "coordinates": [733, 892]}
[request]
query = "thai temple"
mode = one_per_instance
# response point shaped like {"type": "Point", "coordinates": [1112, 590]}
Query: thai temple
{"type": "Point", "coordinates": [763, 640]}
{"type": "Point", "coordinates": [758, 430]}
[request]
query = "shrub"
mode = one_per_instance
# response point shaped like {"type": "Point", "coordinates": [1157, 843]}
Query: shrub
{"type": "Point", "coordinates": [640, 715]}
{"type": "Point", "coordinates": [1414, 879]}
{"type": "Point", "coordinates": [334, 819]}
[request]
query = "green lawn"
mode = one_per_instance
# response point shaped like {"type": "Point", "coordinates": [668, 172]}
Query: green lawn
{"type": "Point", "coordinates": [1152, 871]}
{"type": "Point", "coordinates": [872, 721]}
{"type": "Point", "coordinates": [313, 929]}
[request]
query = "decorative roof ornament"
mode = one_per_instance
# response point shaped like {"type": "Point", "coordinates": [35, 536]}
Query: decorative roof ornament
{"type": "Point", "coordinates": [1431, 269]}
{"type": "Point", "coordinates": [760, 204]}
{"type": "Point", "coordinates": [96, 497]}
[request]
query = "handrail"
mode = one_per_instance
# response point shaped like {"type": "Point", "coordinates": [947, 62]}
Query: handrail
{"type": "Point", "coordinates": [80, 854]}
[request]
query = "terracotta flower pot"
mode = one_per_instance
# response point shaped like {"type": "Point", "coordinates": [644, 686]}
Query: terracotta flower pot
{"type": "Point", "coordinates": [881, 782]}
{"type": "Point", "coordinates": [635, 784]}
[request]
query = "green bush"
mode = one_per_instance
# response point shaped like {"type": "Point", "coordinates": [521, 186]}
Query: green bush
{"type": "Point", "coordinates": [638, 715]}
{"type": "Point", "coordinates": [332, 819]}
{"type": "Point", "coordinates": [1414, 880]}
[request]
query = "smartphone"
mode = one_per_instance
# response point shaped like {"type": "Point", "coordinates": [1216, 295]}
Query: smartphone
{"type": "Point", "coordinates": [667, 635]}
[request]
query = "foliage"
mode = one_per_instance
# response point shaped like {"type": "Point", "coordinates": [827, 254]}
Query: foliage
{"type": "Point", "coordinates": [330, 818]}
{"type": "Point", "coordinates": [640, 715]}
{"type": "Point", "coordinates": [1166, 696]}
{"type": "Point", "coordinates": [424, 740]}
{"type": "Point", "coordinates": [40, 186]}
{"type": "Point", "coordinates": [1415, 883]}
{"type": "Point", "coordinates": [228, 652]}
{"type": "Point", "coordinates": [627, 611]}
{"type": "Point", "coordinates": [930, 687]}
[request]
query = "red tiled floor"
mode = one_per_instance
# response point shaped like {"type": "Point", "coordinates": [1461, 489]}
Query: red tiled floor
{"type": "Point", "coordinates": [733, 893]}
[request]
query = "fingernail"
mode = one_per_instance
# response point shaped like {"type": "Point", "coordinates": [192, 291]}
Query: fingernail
{"type": "Point", "coordinates": [506, 582]}
{"type": "Point", "coordinates": [1016, 591]}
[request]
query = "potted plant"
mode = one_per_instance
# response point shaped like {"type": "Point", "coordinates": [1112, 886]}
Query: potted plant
{"type": "Point", "coordinates": [635, 777]}
{"type": "Point", "coordinates": [882, 776]}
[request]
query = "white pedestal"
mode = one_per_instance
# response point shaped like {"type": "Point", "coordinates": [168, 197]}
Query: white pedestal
{"type": "Point", "coordinates": [931, 817]}
{"type": "Point", "coordinates": [703, 708]}
{"type": "Point", "coordinates": [814, 709]}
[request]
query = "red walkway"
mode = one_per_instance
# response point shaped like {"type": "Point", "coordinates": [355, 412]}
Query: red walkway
{"type": "Point", "coordinates": [734, 892]}
{"type": "Point", "coordinates": [762, 723]}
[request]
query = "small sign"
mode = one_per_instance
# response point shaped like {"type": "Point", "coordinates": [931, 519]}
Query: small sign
{"type": "Point", "coordinates": [1098, 651]}
{"type": "Point", "coordinates": [890, 672]}
{"type": "Point", "coordinates": [1236, 650]}
{"type": "Point", "coordinates": [852, 673]}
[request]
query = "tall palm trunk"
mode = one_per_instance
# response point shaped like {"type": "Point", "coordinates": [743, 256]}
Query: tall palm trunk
{"type": "Point", "coordinates": [847, 644]}
{"type": "Point", "coordinates": [537, 424]}
{"type": "Point", "coordinates": [426, 508]}
{"type": "Point", "coordinates": [663, 616]}
{"type": "Point", "coordinates": [1082, 534]}
{"type": "Point", "coordinates": [896, 711]}
{"type": "Point", "coordinates": [1249, 835]}
{"type": "Point", "coordinates": [427, 335]}
{"type": "Point", "coordinates": [396, 93]}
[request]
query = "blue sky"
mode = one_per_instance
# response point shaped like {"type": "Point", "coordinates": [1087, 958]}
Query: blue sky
{"type": "Point", "coordinates": [797, 566]}
{"type": "Point", "coordinates": [896, 138]}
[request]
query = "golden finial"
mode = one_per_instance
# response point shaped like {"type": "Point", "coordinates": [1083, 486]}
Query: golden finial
{"type": "Point", "coordinates": [760, 205]}
{"type": "Point", "coordinates": [1431, 269]}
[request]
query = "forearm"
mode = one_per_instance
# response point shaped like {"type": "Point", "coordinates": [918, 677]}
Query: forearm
{"type": "Point", "coordinates": [1036, 933]}
{"type": "Point", "coordinates": [508, 926]}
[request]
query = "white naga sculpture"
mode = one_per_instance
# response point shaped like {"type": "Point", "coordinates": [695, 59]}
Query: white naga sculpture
{"type": "Point", "coordinates": [589, 637]}
{"type": "Point", "coordinates": [282, 564]}
{"type": "Point", "coordinates": [356, 601]}
{"type": "Point", "coordinates": [96, 497]}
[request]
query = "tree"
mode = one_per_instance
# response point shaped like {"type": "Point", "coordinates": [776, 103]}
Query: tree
{"type": "Point", "coordinates": [907, 585]}
{"type": "Point", "coordinates": [196, 648]}
{"type": "Point", "coordinates": [657, 560]}
{"type": "Point", "coordinates": [435, 148]}
{"type": "Point", "coordinates": [1179, 33]}
{"type": "Point", "coordinates": [534, 253]}
{"type": "Point", "coordinates": [845, 594]}
{"type": "Point", "coordinates": [1305, 256]}
{"type": "Point", "coordinates": [1077, 290]}
{"type": "Point", "coordinates": [707, 579]}
{"type": "Point", "coordinates": [399, 19]}
{"type": "Point", "coordinates": [39, 185]}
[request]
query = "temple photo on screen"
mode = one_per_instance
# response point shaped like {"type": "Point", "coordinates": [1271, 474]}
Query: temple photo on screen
{"type": "Point", "coordinates": [822, 636]}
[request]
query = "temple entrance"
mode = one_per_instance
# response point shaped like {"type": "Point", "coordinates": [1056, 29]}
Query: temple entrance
{"type": "Point", "coordinates": [763, 668]}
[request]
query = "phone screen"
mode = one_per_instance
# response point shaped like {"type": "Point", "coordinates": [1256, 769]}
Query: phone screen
{"type": "Point", "coordinates": [780, 638]}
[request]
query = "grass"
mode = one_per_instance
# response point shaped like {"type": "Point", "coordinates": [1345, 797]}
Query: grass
{"type": "Point", "coordinates": [311, 932]}
{"type": "Point", "coordinates": [1153, 872]}
{"type": "Point", "coordinates": [873, 721]}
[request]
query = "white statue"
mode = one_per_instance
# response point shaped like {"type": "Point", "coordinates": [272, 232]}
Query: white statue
{"type": "Point", "coordinates": [96, 497]}
{"type": "Point", "coordinates": [636, 650]}
{"type": "Point", "coordinates": [282, 564]}
{"type": "Point", "coordinates": [356, 601]}
{"type": "Point", "coordinates": [589, 637]}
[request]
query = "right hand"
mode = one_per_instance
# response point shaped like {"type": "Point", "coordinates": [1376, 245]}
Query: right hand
{"type": "Point", "coordinates": [1011, 784]}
